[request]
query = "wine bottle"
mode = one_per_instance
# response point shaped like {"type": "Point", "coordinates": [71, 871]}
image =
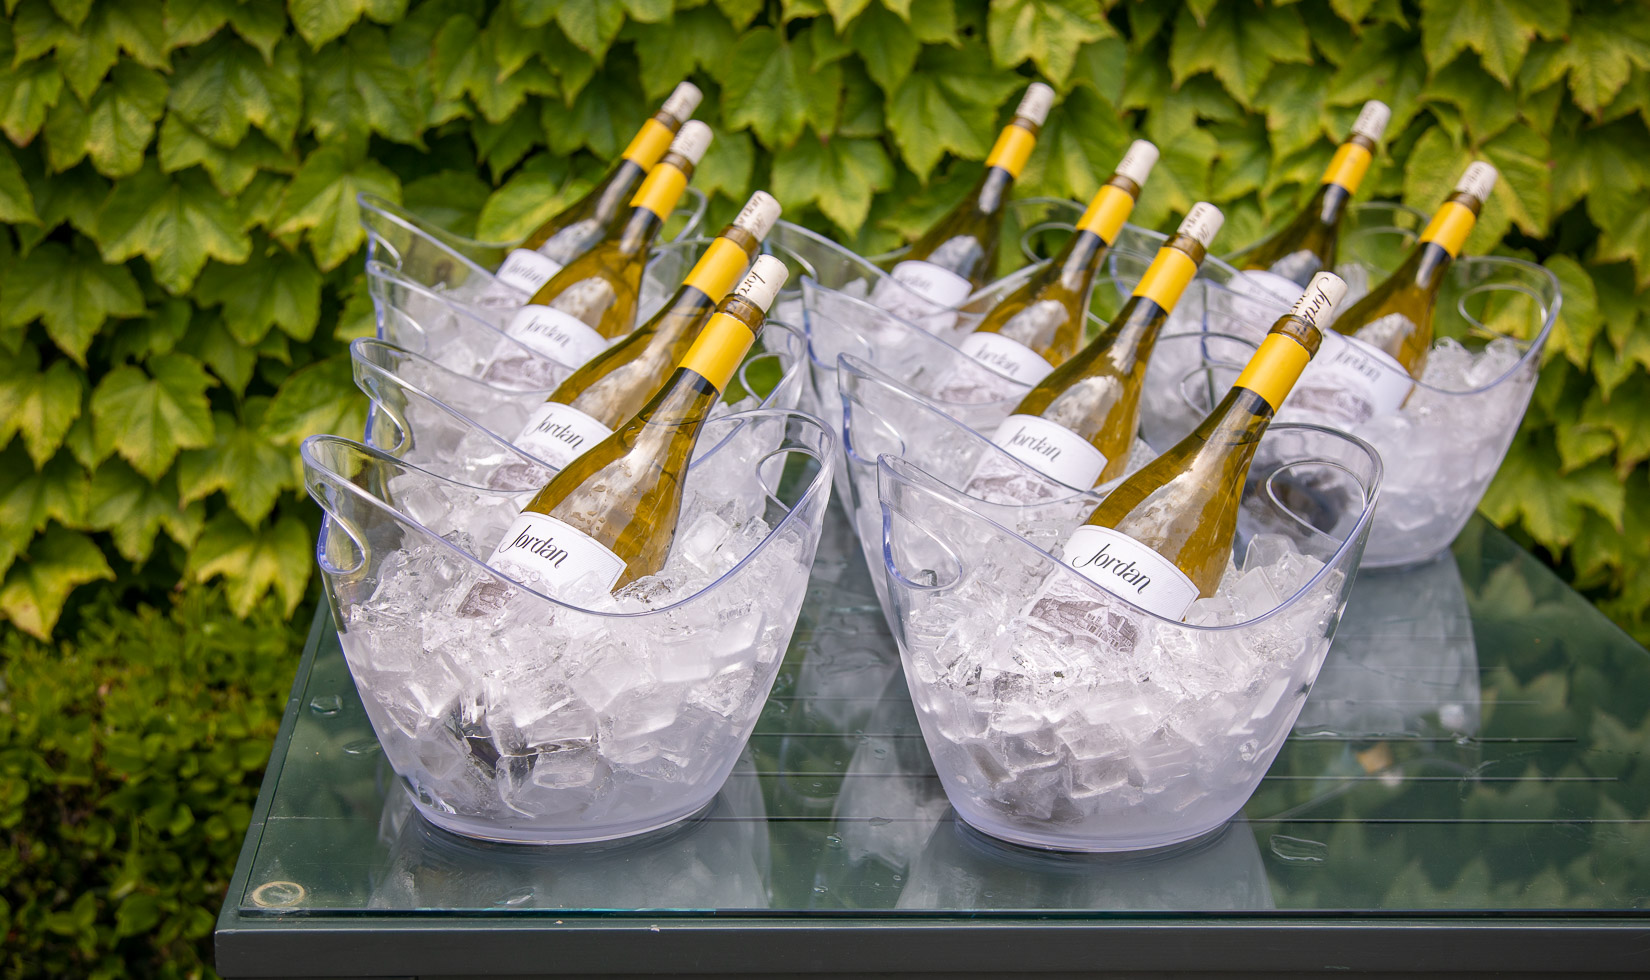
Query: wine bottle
{"type": "Point", "coordinates": [572, 232]}
{"type": "Point", "coordinates": [1163, 538]}
{"type": "Point", "coordinates": [1078, 424]}
{"type": "Point", "coordinates": [959, 253]}
{"type": "Point", "coordinates": [613, 385]}
{"type": "Point", "coordinates": [593, 299]}
{"type": "Point", "coordinates": [611, 514]}
{"type": "Point", "coordinates": [1035, 328]}
{"type": "Point", "coordinates": [1381, 342]}
{"type": "Point", "coordinates": [1285, 262]}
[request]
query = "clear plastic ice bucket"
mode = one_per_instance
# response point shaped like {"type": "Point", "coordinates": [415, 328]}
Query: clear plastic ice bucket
{"type": "Point", "coordinates": [1060, 716]}
{"type": "Point", "coordinates": [540, 720]}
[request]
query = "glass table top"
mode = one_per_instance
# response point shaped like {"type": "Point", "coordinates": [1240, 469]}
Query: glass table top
{"type": "Point", "coordinates": [1476, 743]}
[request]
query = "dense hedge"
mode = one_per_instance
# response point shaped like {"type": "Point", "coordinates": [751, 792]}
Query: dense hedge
{"type": "Point", "coordinates": [129, 762]}
{"type": "Point", "coordinates": [182, 269]}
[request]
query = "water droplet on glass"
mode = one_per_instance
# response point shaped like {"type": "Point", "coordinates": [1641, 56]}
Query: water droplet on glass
{"type": "Point", "coordinates": [518, 897]}
{"type": "Point", "coordinates": [879, 821]}
{"type": "Point", "coordinates": [278, 894]}
{"type": "Point", "coordinates": [821, 889]}
{"type": "Point", "coordinates": [361, 746]}
{"type": "Point", "coordinates": [833, 841]}
{"type": "Point", "coordinates": [1298, 850]}
{"type": "Point", "coordinates": [326, 705]}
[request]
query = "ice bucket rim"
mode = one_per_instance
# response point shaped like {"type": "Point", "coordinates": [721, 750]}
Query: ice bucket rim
{"type": "Point", "coordinates": [889, 467]}
{"type": "Point", "coordinates": [818, 484]}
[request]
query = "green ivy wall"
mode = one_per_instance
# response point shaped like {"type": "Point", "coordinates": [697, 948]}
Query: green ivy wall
{"type": "Point", "coordinates": [182, 267]}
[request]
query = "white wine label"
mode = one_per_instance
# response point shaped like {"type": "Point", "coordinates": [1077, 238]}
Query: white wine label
{"type": "Point", "coordinates": [1125, 567]}
{"type": "Point", "coordinates": [559, 336]}
{"type": "Point", "coordinates": [549, 554]}
{"type": "Point", "coordinates": [1051, 449]}
{"type": "Point", "coordinates": [930, 296]}
{"type": "Point", "coordinates": [1350, 382]}
{"type": "Point", "coordinates": [1006, 356]}
{"type": "Point", "coordinates": [527, 270]}
{"type": "Point", "coordinates": [758, 214]}
{"type": "Point", "coordinates": [559, 434]}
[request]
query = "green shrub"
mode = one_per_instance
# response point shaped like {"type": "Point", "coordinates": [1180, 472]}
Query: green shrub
{"type": "Point", "coordinates": [182, 266]}
{"type": "Point", "coordinates": [129, 763]}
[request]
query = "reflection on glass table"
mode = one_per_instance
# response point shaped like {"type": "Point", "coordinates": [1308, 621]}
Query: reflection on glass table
{"type": "Point", "coordinates": [1479, 755]}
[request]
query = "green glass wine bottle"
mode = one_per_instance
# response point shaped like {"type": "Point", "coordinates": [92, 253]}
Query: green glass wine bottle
{"type": "Point", "coordinates": [1284, 263]}
{"type": "Point", "coordinates": [1380, 344]}
{"type": "Point", "coordinates": [613, 385]}
{"type": "Point", "coordinates": [1163, 538]}
{"type": "Point", "coordinates": [959, 253]}
{"type": "Point", "coordinates": [575, 229]}
{"type": "Point", "coordinates": [1078, 424]}
{"type": "Point", "coordinates": [1035, 328]}
{"type": "Point", "coordinates": [610, 515]}
{"type": "Point", "coordinates": [575, 315]}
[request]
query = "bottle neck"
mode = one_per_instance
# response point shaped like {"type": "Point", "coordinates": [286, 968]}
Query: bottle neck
{"type": "Point", "coordinates": [1331, 204]}
{"type": "Point", "coordinates": [992, 191]}
{"type": "Point", "coordinates": [639, 232]}
{"type": "Point", "coordinates": [620, 187]}
{"type": "Point", "coordinates": [1075, 266]}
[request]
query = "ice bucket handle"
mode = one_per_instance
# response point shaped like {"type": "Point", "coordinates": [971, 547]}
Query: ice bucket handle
{"type": "Point", "coordinates": [913, 549]}
{"type": "Point", "coordinates": [331, 463]}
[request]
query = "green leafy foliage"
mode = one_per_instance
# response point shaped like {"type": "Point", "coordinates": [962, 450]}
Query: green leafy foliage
{"type": "Point", "coordinates": [181, 267]}
{"type": "Point", "coordinates": [130, 757]}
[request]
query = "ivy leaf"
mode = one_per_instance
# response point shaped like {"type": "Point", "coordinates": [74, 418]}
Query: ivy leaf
{"type": "Point", "coordinates": [120, 121]}
{"type": "Point", "coordinates": [1499, 30]}
{"type": "Point", "coordinates": [224, 86]}
{"type": "Point", "coordinates": [947, 104]}
{"type": "Point", "coordinates": [844, 11]}
{"type": "Point", "coordinates": [319, 21]}
{"type": "Point", "coordinates": [149, 418]}
{"type": "Point", "coordinates": [1486, 106]}
{"type": "Point", "coordinates": [1623, 415]}
{"type": "Point", "coordinates": [189, 22]}
{"type": "Point", "coordinates": [526, 201]}
{"type": "Point", "coordinates": [1524, 158]}
{"type": "Point", "coordinates": [740, 12]}
{"type": "Point", "coordinates": [1181, 177]}
{"type": "Point", "coordinates": [839, 176]}
{"type": "Point", "coordinates": [133, 510]}
{"type": "Point", "coordinates": [1239, 46]}
{"type": "Point", "coordinates": [27, 91]}
{"type": "Point", "coordinates": [1531, 487]}
{"type": "Point", "coordinates": [31, 498]}
{"type": "Point", "coordinates": [1579, 321]}
{"type": "Point", "coordinates": [71, 292]}
{"type": "Point", "coordinates": [73, 12]}
{"type": "Point", "coordinates": [1079, 146]}
{"type": "Point", "coordinates": [175, 222]}
{"type": "Point", "coordinates": [86, 55]}
{"type": "Point", "coordinates": [1048, 32]}
{"type": "Point", "coordinates": [768, 89]}
{"type": "Point", "coordinates": [321, 201]}
{"type": "Point", "coordinates": [1624, 227]}
{"type": "Point", "coordinates": [182, 146]}
{"type": "Point", "coordinates": [319, 398]}
{"type": "Point", "coordinates": [591, 26]}
{"type": "Point", "coordinates": [253, 561]}
{"type": "Point", "coordinates": [603, 118]}
{"type": "Point", "coordinates": [727, 165]}
{"type": "Point", "coordinates": [449, 199]}
{"type": "Point", "coordinates": [16, 202]}
{"type": "Point", "coordinates": [932, 21]}
{"type": "Point", "coordinates": [503, 145]}
{"type": "Point", "coordinates": [154, 333]}
{"type": "Point", "coordinates": [281, 289]}
{"type": "Point", "coordinates": [209, 342]}
{"type": "Point", "coordinates": [698, 38]}
{"type": "Point", "coordinates": [886, 45]}
{"type": "Point", "coordinates": [1292, 99]}
{"type": "Point", "coordinates": [41, 405]}
{"type": "Point", "coordinates": [1242, 163]}
{"type": "Point", "coordinates": [250, 471]}
{"type": "Point", "coordinates": [1600, 53]}
{"type": "Point", "coordinates": [36, 29]}
{"type": "Point", "coordinates": [1100, 66]}
{"type": "Point", "coordinates": [138, 28]}
{"type": "Point", "coordinates": [38, 584]}
{"type": "Point", "coordinates": [261, 25]}
{"type": "Point", "coordinates": [356, 86]}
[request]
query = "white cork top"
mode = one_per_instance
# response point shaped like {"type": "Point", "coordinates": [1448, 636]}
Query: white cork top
{"type": "Point", "coordinates": [683, 101]}
{"type": "Point", "coordinates": [1478, 181]}
{"type": "Point", "coordinates": [1138, 161]}
{"type": "Point", "coordinates": [692, 141]}
{"type": "Point", "coordinates": [763, 282]}
{"type": "Point", "coordinates": [759, 214]}
{"type": "Point", "coordinates": [1322, 295]}
{"type": "Point", "coordinates": [1372, 120]}
{"type": "Point", "coordinates": [1034, 105]}
{"type": "Point", "coordinates": [1202, 222]}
